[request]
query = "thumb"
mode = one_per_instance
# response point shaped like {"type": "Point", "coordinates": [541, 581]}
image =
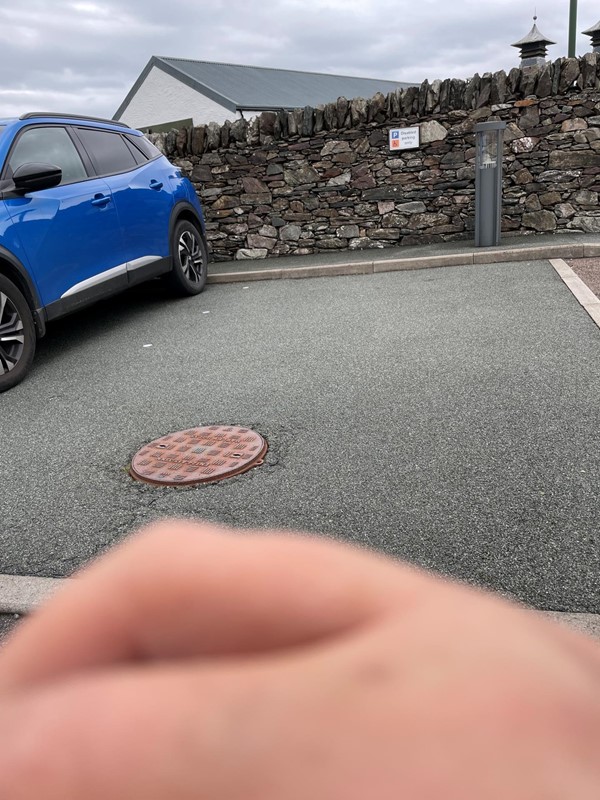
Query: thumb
{"type": "Point", "coordinates": [182, 590]}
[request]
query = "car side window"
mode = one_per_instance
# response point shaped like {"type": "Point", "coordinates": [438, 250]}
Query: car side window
{"type": "Point", "coordinates": [51, 145]}
{"type": "Point", "coordinates": [137, 154]}
{"type": "Point", "coordinates": [145, 146]}
{"type": "Point", "coordinates": [108, 151]}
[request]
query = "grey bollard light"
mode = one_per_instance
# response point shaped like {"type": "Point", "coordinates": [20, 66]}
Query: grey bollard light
{"type": "Point", "coordinates": [488, 183]}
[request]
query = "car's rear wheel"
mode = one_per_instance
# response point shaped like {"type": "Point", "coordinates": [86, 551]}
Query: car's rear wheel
{"type": "Point", "coordinates": [17, 335]}
{"type": "Point", "coordinates": [190, 259]}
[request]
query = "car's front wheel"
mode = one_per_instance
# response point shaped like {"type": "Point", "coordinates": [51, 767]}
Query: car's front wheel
{"type": "Point", "coordinates": [17, 335]}
{"type": "Point", "coordinates": [190, 259]}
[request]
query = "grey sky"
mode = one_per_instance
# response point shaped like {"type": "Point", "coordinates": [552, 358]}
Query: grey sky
{"type": "Point", "coordinates": [83, 56]}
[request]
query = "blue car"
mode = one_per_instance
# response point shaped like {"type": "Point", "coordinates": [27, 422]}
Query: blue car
{"type": "Point", "coordinates": [88, 207]}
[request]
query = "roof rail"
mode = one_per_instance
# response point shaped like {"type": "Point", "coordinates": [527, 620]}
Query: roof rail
{"type": "Point", "coordinates": [34, 114]}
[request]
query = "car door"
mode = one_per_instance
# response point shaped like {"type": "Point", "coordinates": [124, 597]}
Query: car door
{"type": "Point", "coordinates": [70, 233]}
{"type": "Point", "coordinates": [142, 195]}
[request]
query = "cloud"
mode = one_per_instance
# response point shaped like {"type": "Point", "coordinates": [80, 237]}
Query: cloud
{"type": "Point", "coordinates": [83, 56]}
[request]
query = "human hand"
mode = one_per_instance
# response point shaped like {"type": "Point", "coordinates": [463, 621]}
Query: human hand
{"type": "Point", "coordinates": [194, 663]}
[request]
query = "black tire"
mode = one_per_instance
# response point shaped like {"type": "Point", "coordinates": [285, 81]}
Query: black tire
{"type": "Point", "coordinates": [17, 335]}
{"type": "Point", "coordinates": [190, 260]}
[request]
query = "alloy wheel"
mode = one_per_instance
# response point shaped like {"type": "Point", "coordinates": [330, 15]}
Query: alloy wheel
{"type": "Point", "coordinates": [190, 256]}
{"type": "Point", "coordinates": [12, 335]}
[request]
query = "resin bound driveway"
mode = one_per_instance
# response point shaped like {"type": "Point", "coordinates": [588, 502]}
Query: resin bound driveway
{"type": "Point", "coordinates": [446, 416]}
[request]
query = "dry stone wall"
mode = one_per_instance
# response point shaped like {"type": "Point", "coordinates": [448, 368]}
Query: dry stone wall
{"type": "Point", "coordinates": [323, 179]}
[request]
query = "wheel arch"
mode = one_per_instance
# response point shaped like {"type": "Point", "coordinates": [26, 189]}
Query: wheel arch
{"type": "Point", "coordinates": [12, 269]}
{"type": "Point", "coordinates": [187, 212]}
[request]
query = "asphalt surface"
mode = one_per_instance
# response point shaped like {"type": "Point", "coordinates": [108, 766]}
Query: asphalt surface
{"type": "Point", "coordinates": [447, 416]}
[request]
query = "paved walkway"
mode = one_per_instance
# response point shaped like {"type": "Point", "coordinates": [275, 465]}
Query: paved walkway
{"type": "Point", "coordinates": [444, 254]}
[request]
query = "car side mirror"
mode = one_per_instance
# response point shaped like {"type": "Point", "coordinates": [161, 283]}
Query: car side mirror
{"type": "Point", "coordinates": [33, 177]}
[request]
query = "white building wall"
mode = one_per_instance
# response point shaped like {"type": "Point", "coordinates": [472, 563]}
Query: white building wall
{"type": "Point", "coordinates": [162, 98]}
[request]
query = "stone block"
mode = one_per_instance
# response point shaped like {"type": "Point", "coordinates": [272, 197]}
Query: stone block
{"type": "Point", "coordinates": [358, 111]}
{"type": "Point", "coordinates": [524, 145]}
{"type": "Point", "coordinates": [364, 182]}
{"type": "Point", "coordinates": [340, 180]}
{"type": "Point", "coordinates": [569, 73]}
{"type": "Point", "coordinates": [245, 253]}
{"type": "Point", "coordinates": [361, 243]}
{"type": "Point", "coordinates": [532, 203]}
{"type": "Point", "coordinates": [432, 131]}
{"type": "Point", "coordinates": [550, 198]}
{"type": "Point", "coordinates": [348, 231]}
{"type": "Point", "coordinates": [224, 202]}
{"type": "Point", "coordinates": [235, 229]}
{"type": "Point", "coordinates": [300, 175]}
{"type": "Point", "coordinates": [257, 242]}
{"type": "Point", "coordinates": [588, 224]}
{"type": "Point", "coordinates": [466, 173]}
{"type": "Point", "coordinates": [331, 243]}
{"type": "Point", "coordinates": [342, 109]}
{"type": "Point", "coordinates": [563, 159]}
{"type": "Point", "coordinates": [384, 193]}
{"type": "Point", "coordinates": [254, 186]}
{"type": "Point", "coordinates": [414, 207]}
{"type": "Point", "coordinates": [335, 146]}
{"type": "Point", "coordinates": [394, 220]}
{"type": "Point", "coordinates": [586, 198]}
{"type": "Point", "coordinates": [577, 124]}
{"type": "Point", "coordinates": [427, 220]}
{"type": "Point", "coordinates": [540, 220]}
{"type": "Point", "coordinates": [290, 233]}
{"type": "Point", "coordinates": [266, 123]}
{"type": "Point", "coordinates": [386, 234]}
{"type": "Point", "coordinates": [256, 199]}
{"type": "Point", "coordinates": [522, 176]}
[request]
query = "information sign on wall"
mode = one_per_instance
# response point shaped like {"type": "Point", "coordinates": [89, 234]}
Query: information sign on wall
{"type": "Point", "coordinates": [404, 138]}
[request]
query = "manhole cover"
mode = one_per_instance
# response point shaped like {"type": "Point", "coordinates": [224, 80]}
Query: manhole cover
{"type": "Point", "coordinates": [198, 455]}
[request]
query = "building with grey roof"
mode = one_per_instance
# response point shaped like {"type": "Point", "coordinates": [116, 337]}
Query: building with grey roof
{"type": "Point", "coordinates": [176, 91]}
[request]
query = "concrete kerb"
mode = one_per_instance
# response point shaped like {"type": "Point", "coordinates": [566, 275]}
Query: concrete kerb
{"type": "Point", "coordinates": [591, 250]}
{"type": "Point", "coordinates": [423, 262]}
{"type": "Point", "coordinates": [387, 264]}
{"type": "Point", "coordinates": [331, 270]}
{"type": "Point", "coordinates": [21, 594]}
{"type": "Point", "coordinates": [240, 277]}
{"type": "Point", "coordinates": [584, 623]}
{"type": "Point", "coordinates": [529, 253]}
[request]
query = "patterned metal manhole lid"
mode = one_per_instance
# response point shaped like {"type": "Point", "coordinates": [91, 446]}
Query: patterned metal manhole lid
{"type": "Point", "coordinates": [198, 455]}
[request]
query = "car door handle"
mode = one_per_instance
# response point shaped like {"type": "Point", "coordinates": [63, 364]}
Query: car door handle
{"type": "Point", "coordinates": [156, 185]}
{"type": "Point", "coordinates": [101, 200]}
